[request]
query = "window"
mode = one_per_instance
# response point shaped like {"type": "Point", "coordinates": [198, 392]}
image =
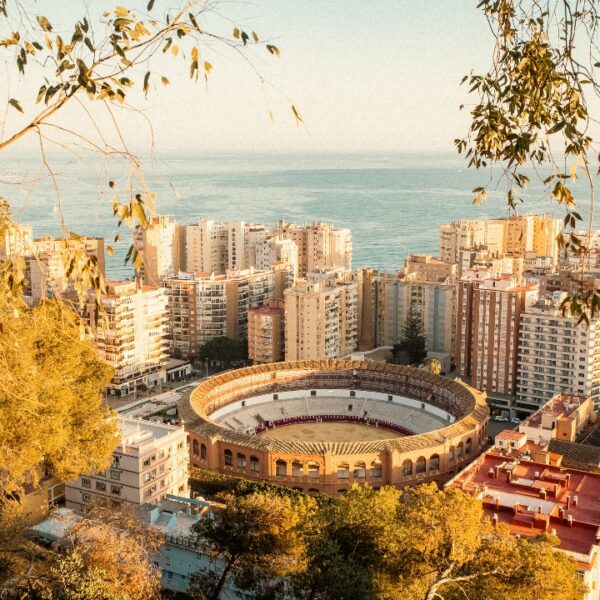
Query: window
{"type": "Point", "coordinates": [115, 489]}
{"type": "Point", "coordinates": [254, 464]}
{"type": "Point", "coordinates": [434, 463]}
{"type": "Point", "coordinates": [352, 393]}
{"type": "Point", "coordinates": [228, 458]}
{"type": "Point", "coordinates": [275, 396]}
{"type": "Point", "coordinates": [313, 392]}
{"type": "Point", "coordinates": [349, 407]}
{"type": "Point", "coordinates": [469, 446]}
{"type": "Point", "coordinates": [115, 504]}
{"type": "Point", "coordinates": [241, 460]}
{"type": "Point", "coordinates": [460, 450]}
{"type": "Point", "coordinates": [115, 475]}
{"type": "Point", "coordinates": [343, 471]}
{"type": "Point", "coordinates": [421, 465]}
{"type": "Point", "coordinates": [179, 447]}
{"type": "Point", "coordinates": [360, 470]}
{"type": "Point", "coordinates": [297, 468]}
{"type": "Point", "coordinates": [116, 461]}
{"type": "Point", "coordinates": [376, 468]}
{"type": "Point", "coordinates": [202, 452]}
{"type": "Point", "coordinates": [86, 497]}
{"type": "Point", "coordinates": [100, 485]}
{"type": "Point", "coordinates": [146, 462]}
{"type": "Point", "coordinates": [85, 482]}
{"type": "Point", "coordinates": [313, 469]}
{"type": "Point", "coordinates": [280, 468]}
{"type": "Point", "coordinates": [407, 468]}
{"type": "Point", "coordinates": [195, 447]}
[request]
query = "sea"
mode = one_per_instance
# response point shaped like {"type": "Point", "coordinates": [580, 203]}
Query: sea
{"type": "Point", "coordinates": [393, 203]}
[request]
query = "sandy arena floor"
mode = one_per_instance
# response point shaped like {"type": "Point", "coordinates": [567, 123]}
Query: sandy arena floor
{"type": "Point", "coordinates": [329, 432]}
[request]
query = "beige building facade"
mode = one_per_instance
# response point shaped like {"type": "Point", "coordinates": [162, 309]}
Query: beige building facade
{"type": "Point", "coordinates": [321, 320]}
{"type": "Point", "coordinates": [151, 461]}
{"type": "Point", "coordinates": [163, 249]}
{"type": "Point", "coordinates": [131, 334]}
{"type": "Point", "coordinates": [556, 355]}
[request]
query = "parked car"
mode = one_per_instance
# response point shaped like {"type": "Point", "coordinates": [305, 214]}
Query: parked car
{"type": "Point", "coordinates": [515, 420]}
{"type": "Point", "coordinates": [501, 419]}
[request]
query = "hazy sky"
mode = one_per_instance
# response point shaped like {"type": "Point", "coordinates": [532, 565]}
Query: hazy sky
{"type": "Point", "coordinates": [366, 75]}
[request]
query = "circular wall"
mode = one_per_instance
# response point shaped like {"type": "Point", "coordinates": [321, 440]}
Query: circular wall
{"type": "Point", "coordinates": [436, 425]}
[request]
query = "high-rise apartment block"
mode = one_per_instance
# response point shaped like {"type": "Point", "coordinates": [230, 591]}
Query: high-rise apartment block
{"type": "Point", "coordinates": [321, 246]}
{"type": "Point", "coordinates": [163, 249]}
{"type": "Point", "coordinates": [433, 299]}
{"type": "Point", "coordinates": [266, 333]}
{"type": "Point", "coordinates": [131, 334]}
{"type": "Point", "coordinates": [556, 355]}
{"type": "Point", "coordinates": [513, 237]}
{"type": "Point", "coordinates": [150, 462]}
{"type": "Point", "coordinates": [16, 241]}
{"type": "Point", "coordinates": [321, 320]}
{"type": "Point", "coordinates": [205, 306]}
{"type": "Point", "coordinates": [487, 336]}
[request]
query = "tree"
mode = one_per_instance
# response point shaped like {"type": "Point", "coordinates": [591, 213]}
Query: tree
{"type": "Point", "coordinates": [102, 61]}
{"type": "Point", "coordinates": [51, 402]}
{"type": "Point", "coordinates": [224, 350]}
{"type": "Point", "coordinates": [533, 108]}
{"type": "Point", "coordinates": [424, 544]}
{"type": "Point", "coordinates": [412, 347]}
{"type": "Point", "coordinates": [104, 556]}
{"type": "Point", "coordinates": [259, 538]}
{"type": "Point", "coordinates": [434, 366]}
{"type": "Point", "coordinates": [51, 409]}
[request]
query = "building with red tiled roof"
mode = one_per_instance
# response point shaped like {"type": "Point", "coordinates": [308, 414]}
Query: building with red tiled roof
{"type": "Point", "coordinates": [526, 487]}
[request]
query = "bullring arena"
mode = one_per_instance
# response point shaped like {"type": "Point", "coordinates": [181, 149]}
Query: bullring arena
{"type": "Point", "coordinates": [322, 426]}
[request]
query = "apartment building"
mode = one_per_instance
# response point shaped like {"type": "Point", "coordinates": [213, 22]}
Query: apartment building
{"type": "Point", "coordinates": [47, 263]}
{"type": "Point", "coordinates": [131, 334]}
{"type": "Point", "coordinates": [487, 331]}
{"type": "Point", "coordinates": [163, 249]}
{"type": "Point", "coordinates": [266, 333]}
{"type": "Point", "coordinates": [205, 306]}
{"type": "Point", "coordinates": [15, 241]}
{"type": "Point", "coordinates": [275, 249]}
{"type": "Point", "coordinates": [556, 355]}
{"type": "Point", "coordinates": [430, 290]}
{"type": "Point", "coordinates": [321, 320]}
{"type": "Point", "coordinates": [512, 236]}
{"type": "Point", "coordinates": [151, 461]}
{"type": "Point", "coordinates": [321, 246]}
{"type": "Point", "coordinates": [206, 247]}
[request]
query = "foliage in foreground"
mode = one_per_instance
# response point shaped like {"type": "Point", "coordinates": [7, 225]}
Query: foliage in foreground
{"type": "Point", "coordinates": [104, 557]}
{"type": "Point", "coordinates": [51, 398]}
{"type": "Point", "coordinates": [417, 544]}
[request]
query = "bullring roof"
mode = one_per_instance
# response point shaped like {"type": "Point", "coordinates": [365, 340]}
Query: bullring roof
{"type": "Point", "coordinates": [472, 404]}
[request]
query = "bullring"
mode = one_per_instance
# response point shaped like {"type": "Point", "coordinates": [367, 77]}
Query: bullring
{"type": "Point", "coordinates": [320, 426]}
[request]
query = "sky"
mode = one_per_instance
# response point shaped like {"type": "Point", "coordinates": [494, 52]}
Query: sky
{"type": "Point", "coordinates": [366, 76]}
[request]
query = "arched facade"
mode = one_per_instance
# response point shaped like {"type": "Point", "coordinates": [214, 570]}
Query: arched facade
{"type": "Point", "coordinates": [333, 467]}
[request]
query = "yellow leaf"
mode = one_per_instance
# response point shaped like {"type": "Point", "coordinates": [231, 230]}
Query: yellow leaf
{"type": "Point", "coordinates": [175, 50]}
{"type": "Point", "coordinates": [207, 66]}
{"type": "Point", "coordinates": [121, 11]}
{"type": "Point", "coordinates": [164, 80]}
{"type": "Point", "coordinates": [194, 53]}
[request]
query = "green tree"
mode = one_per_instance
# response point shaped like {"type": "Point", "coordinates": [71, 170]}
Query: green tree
{"type": "Point", "coordinates": [533, 107]}
{"type": "Point", "coordinates": [426, 544]}
{"type": "Point", "coordinates": [260, 540]}
{"type": "Point", "coordinates": [412, 347]}
{"type": "Point", "coordinates": [224, 350]}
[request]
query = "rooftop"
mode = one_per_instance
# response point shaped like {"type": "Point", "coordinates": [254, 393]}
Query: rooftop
{"type": "Point", "coordinates": [562, 405]}
{"type": "Point", "coordinates": [532, 497]}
